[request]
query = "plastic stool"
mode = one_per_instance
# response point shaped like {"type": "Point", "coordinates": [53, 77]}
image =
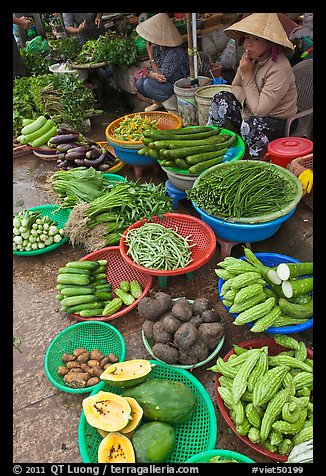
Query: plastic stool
{"type": "Point", "coordinates": [175, 193]}
{"type": "Point", "coordinates": [163, 280]}
{"type": "Point", "coordinates": [226, 246]}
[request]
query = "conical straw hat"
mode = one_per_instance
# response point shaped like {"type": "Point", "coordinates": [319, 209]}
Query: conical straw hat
{"type": "Point", "coordinates": [160, 30]}
{"type": "Point", "coordinates": [263, 25]}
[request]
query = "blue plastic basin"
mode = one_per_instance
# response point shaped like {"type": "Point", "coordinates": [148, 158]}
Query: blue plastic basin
{"type": "Point", "coordinates": [131, 156]}
{"type": "Point", "coordinates": [243, 232]}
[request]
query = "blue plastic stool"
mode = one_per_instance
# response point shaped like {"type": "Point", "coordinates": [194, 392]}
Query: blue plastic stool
{"type": "Point", "coordinates": [175, 193]}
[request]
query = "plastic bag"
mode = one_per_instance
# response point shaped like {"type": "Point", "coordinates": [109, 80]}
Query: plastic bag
{"type": "Point", "coordinates": [140, 73]}
{"type": "Point", "coordinates": [228, 58]}
{"type": "Point", "coordinates": [37, 45]}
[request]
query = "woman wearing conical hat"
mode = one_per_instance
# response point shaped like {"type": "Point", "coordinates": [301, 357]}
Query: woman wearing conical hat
{"type": "Point", "coordinates": [168, 59]}
{"type": "Point", "coordinates": [263, 93]}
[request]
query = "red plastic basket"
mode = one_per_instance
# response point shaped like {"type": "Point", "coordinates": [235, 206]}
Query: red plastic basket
{"type": "Point", "coordinates": [117, 271]}
{"type": "Point", "coordinates": [184, 225]}
{"type": "Point", "coordinates": [274, 349]}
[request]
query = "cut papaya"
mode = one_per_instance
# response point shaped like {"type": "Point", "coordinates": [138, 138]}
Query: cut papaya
{"type": "Point", "coordinates": [136, 415]}
{"type": "Point", "coordinates": [116, 448]}
{"type": "Point", "coordinates": [107, 411]}
{"type": "Point", "coordinates": [127, 374]}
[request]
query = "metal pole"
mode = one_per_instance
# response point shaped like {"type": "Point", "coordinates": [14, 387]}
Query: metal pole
{"type": "Point", "coordinates": [190, 47]}
{"type": "Point", "coordinates": [194, 42]}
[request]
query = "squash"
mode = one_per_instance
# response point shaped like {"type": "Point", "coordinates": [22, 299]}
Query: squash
{"type": "Point", "coordinates": [115, 448]}
{"type": "Point", "coordinates": [127, 374]}
{"type": "Point", "coordinates": [107, 411]}
{"type": "Point", "coordinates": [136, 415]}
{"type": "Point", "coordinates": [164, 400]}
{"type": "Point", "coordinates": [153, 442]}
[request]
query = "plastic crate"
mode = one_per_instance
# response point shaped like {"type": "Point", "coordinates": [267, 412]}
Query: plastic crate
{"type": "Point", "coordinates": [299, 165]}
{"type": "Point", "coordinates": [194, 436]}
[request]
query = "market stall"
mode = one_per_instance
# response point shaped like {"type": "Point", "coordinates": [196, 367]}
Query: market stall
{"type": "Point", "coordinates": [150, 318]}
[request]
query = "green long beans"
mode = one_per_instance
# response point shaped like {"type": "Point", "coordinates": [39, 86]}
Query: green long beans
{"type": "Point", "coordinates": [156, 247]}
{"type": "Point", "coordinates": [243, 190]}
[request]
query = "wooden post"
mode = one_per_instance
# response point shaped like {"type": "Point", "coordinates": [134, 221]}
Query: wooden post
{"type": "Point", "coordinates": [190, 46]}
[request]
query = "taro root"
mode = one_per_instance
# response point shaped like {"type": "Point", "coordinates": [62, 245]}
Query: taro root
{"type": "Point", "coordinates": [68, 357]}
{"type": "Point", "coordinates": [76, 379]}
{"type": "Point", "coordinates": [148, 329]}
{"type": "Point", "coordinates": [73, 364]}
{"type": "Point", "coordinates": [194, 354]}
{"type": "Point", "coordinates": [165, 352]}
{"type": "Point", "coordinates": [78, 351]}
{"type": "Point", "coordinates": [185, 336]}
{"type": "Point", "coordinates": [62, 370]}
{"type": "Point", "coordinates": [92, 363]}
{"type": "Point", "coordinates": [211, 333]}
{"type": "Point", "coordinates": [92, 381]}
{"type": "Point", "coordinates": [96, 355]}
{"type": "Point", "coordinates": [196, 320]}
{"type": "Point", "coordinates": [170, 322]}
{"type": "Point", "coordinates": [113, 358]}
{"type": "Point", "coordinates": [210, 315]}
{"type": "Point", "coordinates": [160, 335]}
{"type": "Point", "coordinates": [152, 308]}
{"type": "Point", "coordinates": [83, 357]}
{"type": "Point", "coordinates": [200, 305]}
{"type": "Point", "coordinates": [182, 310]}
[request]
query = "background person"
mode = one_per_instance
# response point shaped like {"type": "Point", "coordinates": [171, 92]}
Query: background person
{"type": "Point", "coordinates": [263, 93]}
{"type": "Point", "coordinates": [87, 25]}
{"type": "Point", "coordinates": [18, 64]}
{"type": "Point", "coordinates": [168, 59]}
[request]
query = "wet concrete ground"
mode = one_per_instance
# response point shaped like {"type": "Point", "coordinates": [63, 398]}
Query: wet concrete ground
{"type": "Point", "coordinates": [45, 420]}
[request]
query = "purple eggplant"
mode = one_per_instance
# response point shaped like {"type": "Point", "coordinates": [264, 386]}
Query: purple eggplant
{"type": "Point", "coordinates": [80, 162]}
{"type": "Point", "coordinates": [65, 138]}
{"type": "Point", "coordinates": [64, 130]}
{"type": "Point", "coordinates": [103, 167]}
{"type": "Point", "coordinates": [93, 153]}
{"type": "Point", "coordinates": [66, 146]}
{"type": "Point", "coordinates": [71, 156]}
{"type": "Point", "coordinates": [94, 163]}
{"type": "Point", "coordinates": [78, 150]}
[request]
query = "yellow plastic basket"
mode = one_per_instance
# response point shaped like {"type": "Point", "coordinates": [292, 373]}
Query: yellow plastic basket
{"type": "Point", "coordinates": [165, 120]}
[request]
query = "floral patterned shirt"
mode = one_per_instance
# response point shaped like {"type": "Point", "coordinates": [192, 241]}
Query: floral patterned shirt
{"type": "Point", "coordinates": [172, 62]}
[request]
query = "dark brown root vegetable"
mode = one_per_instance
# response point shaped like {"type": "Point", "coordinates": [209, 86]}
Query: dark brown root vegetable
{"type": "Point", "coordinates": [92, 381]}
{"type": "Point", "coordinates": [160, 335]}
{"type": "Point", "coordinates": [165, 352]}
{"type": "Point", "coordinates": [152, 308]}
{"type": "Point", "coordinates": [170, 322]}
{"type": "Point", "coordinates": [96, 355]}
{"type": "Point", "coordinates": [62, 370]}
{"type": "Point", "coordinates": [185, 336]}
{"type": "Point", "coordinates": [210, 315]}
{"type": "Point", "coordinates": [196, 320]}
{"type": "Point", "coordinates": [182, 310]}
{"type": "Point", "coordinates": [148, 329]}
{"type": "Point", "coordinates": [200, 305]}
{"type": "Point", "coordinates": [211, 333]}
{"type": "Point", "coordinates": [194, 354]}
{"type": "Point", "coordinates": [83, 358]}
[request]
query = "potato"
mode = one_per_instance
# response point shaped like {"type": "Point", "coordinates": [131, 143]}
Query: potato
{"type": "Point", "coordinates": [76, 379]}
{"type": "Point", "coordinates": [62, 370]}
{"type": "Point", "coordinates": [83, 358]}
{"type": "Point", "coordinates": [165, 352]}
{"type": "Point", "coordinates": [148, 329]}
{"type": "Point", "coordinates": [185, 336]}
{"type": "Point", "coordinates": [196, 320]}
{"type": "Point", "coordinates": [200, 305]}
{"type": "Point", "coordinates": [211, 333]}
{"type": "Point", "coordinates": [113, 358]}
{"type": "Point", "coordinates": [92, 381]}
{"type": "Point", "coordinates": [79, 351]}
{"type": "Point", "coordinates": [85, 367]}
{"type": "Point", "coordinates": [182, 310]}
{"type": "Point", "coordinates": [68, 357]}
{"type": "Point", "coordinates": [92, 363]}
{"type": "Point", "coordinates": [210, 315]}
{"type": "Point", "coordinates": [96, 371]}
{"type": "Point", "coordinates": [96, 355]}
{"type": "Point", "coordinates": [73, 364]}
{"type": "Point", "coordinates": [160, 335]}
{"type": "Point", "coordinates": [170, 322]}
{"type": "Point", "coordinates": [152, 308]}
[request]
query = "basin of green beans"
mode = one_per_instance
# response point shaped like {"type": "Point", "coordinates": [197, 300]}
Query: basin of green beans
{"type": "Point", "coordinates": [155, 246]}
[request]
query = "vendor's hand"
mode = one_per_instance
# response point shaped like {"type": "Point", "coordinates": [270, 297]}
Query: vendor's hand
{"type": "Point", "coordinates": [98, 21]}
{"type": "Point", "coordinates": [82, 27]}
{"type": "Point", "coordinates": [246, 65]}
{"type": "Point", "coordinates": [158, 76]}
{"type": "Point", "coordinates": [23, 22]}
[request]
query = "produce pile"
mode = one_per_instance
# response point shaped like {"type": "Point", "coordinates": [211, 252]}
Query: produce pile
{"type": "Point", "coordinates": [101, 222]}
{"type": "Point", "coordinates": [138, 425]}
{"type": "Point", "coordinates": [38, 132]}
{"type": "Point", "coordinates": [180, 332]}
{"type": "Point", "coordinates": [32, 231]}
{"type": "Point", "coordinates": [84, 290]}
{"type": "Point", "coordinates": [243, 189]}
{"type": "Point", "coordinates": [189, 148]}
{"type": "Point", "coordinates": [268, 395]}
{"type": "Point", "coordinates": [264, 296]}
{"type": "Point", "coordinates": [132, 128]}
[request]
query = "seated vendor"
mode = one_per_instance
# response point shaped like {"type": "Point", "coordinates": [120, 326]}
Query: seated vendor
{"type": "Point", "coordinates": [168, 59]}
{"type": "Point", "coordinates": [264, 93]}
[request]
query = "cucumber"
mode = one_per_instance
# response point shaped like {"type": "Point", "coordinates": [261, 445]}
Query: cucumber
{"type": "Point", "coordinates": [77, 291]}
{"type": "Point", "coordinates": [102, 262]}
{"type": "Point", "coordinates": [103, 296]}
{"type": "Point", "coordinates": [171, 144]}
{"type": "Point", "coordinates": [183, 130]}
{"type": "Point", "coordinates": [97, 311]}
{"type": "Point", "coordinates": [91, 265]}
{"type": "Point", "coordinates": [65, 270]}
{"type": "Point", "coordinates": [79, 307]}
{"type": "Point", "coordinates": [99, 276]}
{"type": "Point", "coordinates": [183, 152]}
{"type": "Point", "coordinates": [143, 150]}
{"type": "Point", "coordinates": [79, 279]}
{"type": "Point", "coordinates": [101, 269]}
{"type": "Point", "coordinates": [34, 126]}
{"type": "Point", "coordinates": [152, 153]}
{"type": "Point", "coordinates": [75, 300]}
{"type": "Point", "coordinates": [194, 159]}
{"type": "Point", "coordinates": [197, 168]}
{"type": "Point", "coordinates": [59, 287]}
{"type": "Point", "coordinates": [43, 139]}
{"type": "Point", "coordinates": [103, 287]}
{"type": "Point", "coordinates": [97, 282]}
{"type": "Point", "coordinates": [59, 297]}
{"type": "Point", "coordinates": [182, 164]}
{"type": "Point", "coordinates": [126, 298]}
{"type": "Point", "coordinates": [156, 135]}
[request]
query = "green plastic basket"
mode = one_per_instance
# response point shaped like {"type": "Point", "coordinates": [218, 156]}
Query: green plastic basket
{"type": "Point", "coordinates": [196, 435]}
{"type": "Point", "coordinates": [60, 216]}
{"type": "Point", "coordinates": [205, 456]}
{"type": "Point", "coordinates": [90, 335]}
{"type": "Point", "coordinates": [240, 143]}
{"type": "Point", "coordinates": [114, 178]}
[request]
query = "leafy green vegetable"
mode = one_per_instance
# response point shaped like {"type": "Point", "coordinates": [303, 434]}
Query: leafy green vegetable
{"type": "Point", "coordinates": [67, 48]}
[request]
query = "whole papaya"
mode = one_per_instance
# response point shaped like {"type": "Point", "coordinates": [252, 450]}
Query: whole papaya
{"type": "Point", "coordinates": [153, 442]}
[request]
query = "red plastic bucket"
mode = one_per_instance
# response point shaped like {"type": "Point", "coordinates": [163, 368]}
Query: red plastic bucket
{"type": "Point", "coordinates": [282, 151]}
